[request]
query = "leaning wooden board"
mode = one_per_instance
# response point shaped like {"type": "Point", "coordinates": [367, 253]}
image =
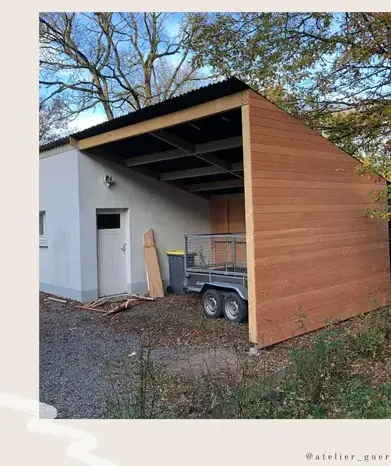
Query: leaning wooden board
{"type": "Point", "coordinates": [154, 278]}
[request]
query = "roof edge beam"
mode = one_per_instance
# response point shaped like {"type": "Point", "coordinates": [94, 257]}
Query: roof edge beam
{"type": "Point", "coordinates": [213, 107]}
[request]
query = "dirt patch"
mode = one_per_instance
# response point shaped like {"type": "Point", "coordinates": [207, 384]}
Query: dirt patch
{"type": "Point", "coordinates": [177, 321]}
{"type": "Point", "coordinates": [175, 327]}
{"type": "Point", "coordinates": [202, 362]}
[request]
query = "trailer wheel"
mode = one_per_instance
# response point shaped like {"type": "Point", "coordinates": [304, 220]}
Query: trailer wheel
{"type": "Point", "coordinates": [235, 308]}
{"type": "Point", "coordinates": [212, 303]}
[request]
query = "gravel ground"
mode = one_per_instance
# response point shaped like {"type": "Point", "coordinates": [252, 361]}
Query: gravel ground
{"type": "Point", "coordinates": [83, 353]}
{"type": "Point", "coordinates": [74, 347]}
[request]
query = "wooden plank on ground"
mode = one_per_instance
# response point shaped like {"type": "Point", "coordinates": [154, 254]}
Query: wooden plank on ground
{"type": "Point", "coordinates": [129, 303]}
{"type": "Point", "coordinates": [155, 284]}
{"type": "Point", "coordinates": [57, 300]}
{"type": "Point", "coordinates": [89, 308]}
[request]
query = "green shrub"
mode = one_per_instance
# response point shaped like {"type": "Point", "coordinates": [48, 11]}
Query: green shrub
{"type": "Point", "coordinates": [240, 403]}
{"type": "Point", "coordinates": [289, 401]}
{"type": "Point", "coordinates": [381, 319]}
{"type": "Point", "coordinates": [369, 342]}
{"type": "Point", "coordinates": [321, 365]}
{"type": "Point", "coordinates": [359, 400]}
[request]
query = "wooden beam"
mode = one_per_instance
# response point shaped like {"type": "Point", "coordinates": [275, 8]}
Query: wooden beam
{"type": "Point", "coordinates": [174, 140]}
{"type": "Point", "coordinates": [248, 201]}
{"type": "Point", "coordinates": [237, 167]}
{"type": "Point", "coordinates": [212, 107]}
{"type": "Point", "coordinates": [204, 148]}
{"type": "Point", "coordinates": [220, 144]}
{"type": "Point", "coordinates": [192, 172]}
{"type": "Point", "coordinates": [107, 155]}
{"type": "Point", "coordinates": [214, 160]}
{"type": "Point", "coordinates": [188, 147]}
{"type": "Point", "coordinates": [202, 171]}
{"type": "Point", "coordinates": [214, 185]}
{"type": "Point", "coordinates": [156, 157]}
{"type": "Point", "coordinates": [227, 196]}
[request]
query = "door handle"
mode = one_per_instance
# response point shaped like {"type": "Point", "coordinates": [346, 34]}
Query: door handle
{"type": "Point", "coordinates": [123, 249]}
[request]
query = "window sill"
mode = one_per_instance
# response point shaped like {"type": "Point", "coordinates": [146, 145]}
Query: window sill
{"type": "Point", "coordinates": [43, 243]}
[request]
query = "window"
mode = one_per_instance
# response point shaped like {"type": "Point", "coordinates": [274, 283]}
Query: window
{"type": "Point", "coordinates": [42, 229]}
{"type": "Point", "coordinates": [108, 221]}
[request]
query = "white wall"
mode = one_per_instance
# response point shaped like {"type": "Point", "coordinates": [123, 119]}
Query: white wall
{"type": "Point", "coordinates": [171, 212]}
{"type": "Point", "coordinates": [59, 262]}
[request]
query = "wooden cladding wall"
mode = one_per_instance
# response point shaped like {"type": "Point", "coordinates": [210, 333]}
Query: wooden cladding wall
{"type": "Point", "coordinates": [315, 257]}
{"type": "Point", "coordinates": [228, 216]}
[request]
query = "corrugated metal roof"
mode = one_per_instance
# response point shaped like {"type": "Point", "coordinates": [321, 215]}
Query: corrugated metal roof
{"type": "Point", "coordinates": [53, 144]}
{"type": "Point", "coordinates": [190, 99]}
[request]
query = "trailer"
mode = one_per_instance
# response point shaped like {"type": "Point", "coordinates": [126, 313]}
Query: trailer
{"type": "Point", "coordinates": [216, 267]}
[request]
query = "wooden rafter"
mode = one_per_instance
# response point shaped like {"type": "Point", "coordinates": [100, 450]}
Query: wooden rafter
{"type": "Point", "coordinates": [156, 157]}
{"type": "Point", "coordinates": [202, 171]}
{"type": "Point", "coordinates": [188, 147]}
{"type": "Point", "coordinates": [174, 140]}
{"type": "Point", "coordinates": [193, 188]}
{"type": "Point", "coordinates": [203, 148]}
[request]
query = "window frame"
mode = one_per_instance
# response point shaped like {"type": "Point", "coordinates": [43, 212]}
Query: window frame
{"type": "Point", "coordinates": [42, 238]}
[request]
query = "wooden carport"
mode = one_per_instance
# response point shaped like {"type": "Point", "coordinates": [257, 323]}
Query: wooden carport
{"type": "Point", "coordinates": [311, 254]}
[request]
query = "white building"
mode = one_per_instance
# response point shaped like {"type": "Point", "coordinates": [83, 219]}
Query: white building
{"type": "Point", "coordinates": [91, 233]}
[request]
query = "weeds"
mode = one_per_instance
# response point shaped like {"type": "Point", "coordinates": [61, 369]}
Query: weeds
{"type": "Point", "coordinates": [316, 367]}
{"type": "Point", "coordinates": [302, 321]}
{"type": "Point", "coordinates": [322, 385]}
{"type": "Point", "coordinates": [138, 397]}
{"type": "Point", "coordinates": [368, 342]}
{"type": "Point", "coordinates": [359, 400]}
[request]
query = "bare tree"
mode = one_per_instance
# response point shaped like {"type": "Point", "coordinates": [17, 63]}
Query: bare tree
{"type": "Point", "coordinates": [53, 119]}
{"type": "Point", "coordinates": [120, 61]}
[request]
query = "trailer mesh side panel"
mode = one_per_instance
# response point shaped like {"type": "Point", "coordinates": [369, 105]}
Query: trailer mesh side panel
{"type": "Point", "coordinates": [218, 253]}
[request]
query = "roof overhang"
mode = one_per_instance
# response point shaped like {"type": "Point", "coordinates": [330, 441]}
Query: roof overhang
{"type": "Point", "coordinates": [196, 146]}
{"type": "Point", "coordinates": [198, 149]}
{"type": "Point", "coordinates": [172, 119]}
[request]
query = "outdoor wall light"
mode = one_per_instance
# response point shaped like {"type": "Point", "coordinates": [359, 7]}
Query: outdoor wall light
{"type": "Point", "coordinates": [108, 180]}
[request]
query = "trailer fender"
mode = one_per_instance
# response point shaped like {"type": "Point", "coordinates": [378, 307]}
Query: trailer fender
{"type": "Point", "coordinates": [240, 289]}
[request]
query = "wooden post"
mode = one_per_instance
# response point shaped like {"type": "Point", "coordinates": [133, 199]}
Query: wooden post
{"type": "Point", "coordinates": [248, 198]}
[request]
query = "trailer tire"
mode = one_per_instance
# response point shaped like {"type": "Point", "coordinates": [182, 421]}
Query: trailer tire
{"type": "Point", "coordinates": [235, 308]}
{"type": "Point", "coordinates": [212, 303]}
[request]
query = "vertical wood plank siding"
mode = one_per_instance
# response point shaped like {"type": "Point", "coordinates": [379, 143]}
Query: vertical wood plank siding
{"type": "Point", "coordinates": [316, 258]}
{"type": "Point", "coordinates": [228, 214]}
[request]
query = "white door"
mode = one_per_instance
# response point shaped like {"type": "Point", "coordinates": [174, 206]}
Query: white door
{"type": "Point", "coordinates": [111, 253]}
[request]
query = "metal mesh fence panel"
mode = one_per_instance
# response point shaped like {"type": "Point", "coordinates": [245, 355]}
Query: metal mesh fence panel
{"type": "Point", "coordinates": [219, 253]}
